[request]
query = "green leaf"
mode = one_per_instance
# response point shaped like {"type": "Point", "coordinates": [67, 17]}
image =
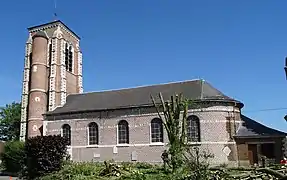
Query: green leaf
{"type": "Point", "coordinates": [10, 118]}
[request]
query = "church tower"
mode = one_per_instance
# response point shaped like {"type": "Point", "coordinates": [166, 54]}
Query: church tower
{"type": "Point", "coordinates": [52, 70]}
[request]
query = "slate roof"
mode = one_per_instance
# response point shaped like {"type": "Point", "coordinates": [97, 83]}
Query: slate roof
{"type": "Point", "coordinates": [250, 128]}
{"type": "Point", "coordinates": [139, 96]}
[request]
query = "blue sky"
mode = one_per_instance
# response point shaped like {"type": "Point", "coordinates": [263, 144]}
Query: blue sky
{"type": "Point", "coordinates": [237, 46]}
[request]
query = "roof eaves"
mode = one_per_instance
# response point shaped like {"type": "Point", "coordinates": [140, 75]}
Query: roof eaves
{"type": "Point", "coordinates": [259, 136]}
{"type": "Point", "coordinates": [51, 113]}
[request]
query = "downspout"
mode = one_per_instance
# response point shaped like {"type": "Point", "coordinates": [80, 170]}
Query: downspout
{"type": "Point", "coordinates": [234, 118]}
{"type": "Point", "coordinates": [238, 160]}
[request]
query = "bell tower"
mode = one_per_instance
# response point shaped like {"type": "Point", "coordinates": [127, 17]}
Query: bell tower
{"type": "Point", "coordinates": [52, 70]}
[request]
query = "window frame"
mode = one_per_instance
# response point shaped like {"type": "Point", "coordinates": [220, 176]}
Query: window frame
{"type": "Point", "coordinates": [151, 132]}
{"type": "Point", "coordinates": [69, 62]}
{"type": "Point", "coordinates": [97, 134]}
{"type": "Point", "coordinates": [127, 136]}
{"type": "Point", "coordinates": [193, 119]}
{"type": "Point", "coordinates": [70, 133]}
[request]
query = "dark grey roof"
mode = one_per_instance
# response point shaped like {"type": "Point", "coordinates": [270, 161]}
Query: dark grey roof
{"type": "Point", "coordinates": [250, 128]}
{"type": "Point", "coordinates": [139, 96]}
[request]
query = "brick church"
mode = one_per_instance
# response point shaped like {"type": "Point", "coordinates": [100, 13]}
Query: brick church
{"type": "Point", "coordinates": [122, 124]}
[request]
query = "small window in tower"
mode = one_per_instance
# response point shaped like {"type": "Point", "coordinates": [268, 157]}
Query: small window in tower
{"type": "Point", "coordinates": [50, 54]}
{"type": "Point", "coordinates": [70, 63]}
{"type": "Point", "coordinates": [69, 57]}
{"type": "Point", "coordinates": [66, 55]}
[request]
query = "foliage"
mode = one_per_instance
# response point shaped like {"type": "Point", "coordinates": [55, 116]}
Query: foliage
{"type": "Point", "coordinates": [12, 156]}
{"type": "Point", "coordinates": [85, 170]}
{"type": "Point", "coordinates": [196, 162]}
{"type": "Point", "coordinates": [10, 118]}
{"type": "Point", "coordinates": [142, 171]}
{"type": "Point", "coordinates": [127, 170]}
{"type": "Point", "coordinates": [111, 169]}
{"type": "Point", "coordinates": [76, 171]}
{"type": "Point", "coordinates": [44, 154]}
{"type": "Point", "coordinates": [175, 115]}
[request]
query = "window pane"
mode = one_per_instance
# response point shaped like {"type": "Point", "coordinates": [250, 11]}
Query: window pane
{"type": "Point", "coordinates": [123, 132]}
{"type": "Point", "coordinates": [67, 133]}
{"type": "Point", "coordinates": [193, 129]}
{"type": "Point", "coordinates": [93, 134]}
{"type": "Point", "coordinates": [156, 130]}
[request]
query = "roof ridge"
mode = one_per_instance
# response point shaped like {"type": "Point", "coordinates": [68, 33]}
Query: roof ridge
{"type": "Point", "coordinates": [219, 91]}
{"type": "Point", "coordinates": [201, 91]}
{"type": "Point", "coordinates": [141, 86]}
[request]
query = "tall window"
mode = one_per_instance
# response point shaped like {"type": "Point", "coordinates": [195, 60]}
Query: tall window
{"type": "Point", "coordinates": [69, 57]}
{"type": "Point", "coordinates": [93, 134]}
{"type": "Point", "coordinates": [66, 133]}
{"type": "Point", "coordinates": [156, 130]}
{"type": "Point", "coordinates": [193, 129]}
{"type": "Point", "coordinates": [50, 54]}
{"type": "Point", "coordinates": [123, 132]}
{"type": "Point", "coordinates": [50, 61]}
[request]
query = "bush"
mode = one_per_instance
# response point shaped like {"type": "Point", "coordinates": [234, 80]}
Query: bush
{"type": "Point", "coordinates": [12, 156]}
{"type": "Point", "coordinates": [102, 171]}
{"type": "Point", "coordinates": [76, 171]}
{"type": "Point", "coordinates": [43, 155]}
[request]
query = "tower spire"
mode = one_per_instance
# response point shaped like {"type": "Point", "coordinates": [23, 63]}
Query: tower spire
{"type": "Point", "coordinates": [55, 10]}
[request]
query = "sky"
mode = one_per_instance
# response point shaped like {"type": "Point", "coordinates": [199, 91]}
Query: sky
{"type": "Point", "coordinates": [237, 46]}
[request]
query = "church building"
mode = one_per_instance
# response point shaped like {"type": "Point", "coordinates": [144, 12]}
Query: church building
{"type": "Point", "coordinates": [123, 124]}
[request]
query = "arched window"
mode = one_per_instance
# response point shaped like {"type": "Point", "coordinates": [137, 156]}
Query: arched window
{"type": "Point", "coordinates": [50, 54]}
{"type": "Point", "coordinates": [193, 129]}
{"type": "Point", "coordinates": [66, 56]}
{"type": "Point", "coordinates": [66, 132]}
{"type": "Point", "coordinates": [156, 130]}
{"type": "Point", "coordinates": [123, 132]}
{"type": "Point", "coordinates": [93, 133]}
{"type": "Point", "coordinates": [69, 57]}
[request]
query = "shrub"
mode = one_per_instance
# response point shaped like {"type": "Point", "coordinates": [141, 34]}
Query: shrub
{"type": "Point", "coordinates": [142, 165]}
{"type": "Point", "coordinates": [12, 156]}
{"type": "Point", "coordinates": [43, 155]}
{"type": "Point", "coordinates": [107, 171]}
{"type": "Point", "coordinates": [76, 171]}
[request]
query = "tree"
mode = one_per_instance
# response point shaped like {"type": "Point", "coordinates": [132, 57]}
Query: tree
{"type": "Point", "coordinates": [183, 158]}
{"type": "Point", "coordinates": [43, 155]}
{"type": "Point", "coordinates": [12, 157]}
{"type": "Point", "coordinates": [10, 118]}
{"type": "Point", "coordinates": [175, 115]}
